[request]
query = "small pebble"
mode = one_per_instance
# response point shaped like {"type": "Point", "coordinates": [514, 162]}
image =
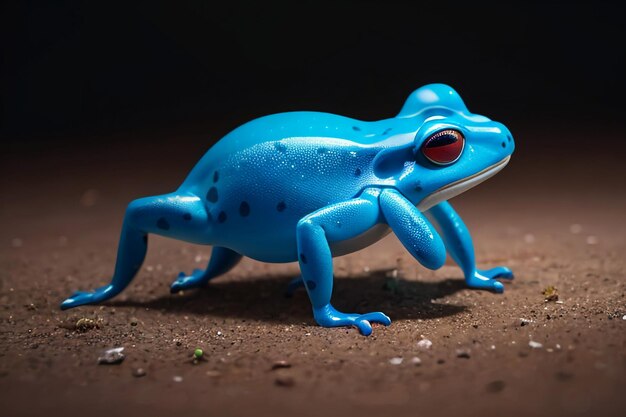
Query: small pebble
{"type": "Point", "coordinates": [177, 378]}
{"type": "Point", "coordinates": [111, 356]}
{"type": "Point", "coordinates": [462, 353]}
{"type": "Point", "coordinates": [424, 344]}
{"type": "Point", "coordinates": [416, 361]}
{"type": "Point", "coordinates": [84, 324]}
{"type": "Point", "coordinates": [550, 293]}
{"type": "Point", "coordinates": [525, 322]}
{"type": "Point", "coordinates": [624, 318]}
{"type": "Point", "coordinates": [280, 365]}
{"type": "Point", "coordinates": [139, 372]}
{"type": "Point", "coordinates": [396, 361]}
{"type": "Point", "coordinates": [392, 274]}
{"type": "Point", "coordinates": [535, 345]}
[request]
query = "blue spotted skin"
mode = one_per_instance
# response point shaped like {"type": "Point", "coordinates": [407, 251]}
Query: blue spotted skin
{"type": "Point", "coordinates": [308, 186]}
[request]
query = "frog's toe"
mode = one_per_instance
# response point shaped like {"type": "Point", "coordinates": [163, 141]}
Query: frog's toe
{"type": "Point", "coordinates": [376, 317]}
{"type": "Point", "coordinates": [80, 298]}
{"type": "Point", "coordinates": [499, 272]}
{"type": "Point", "coordinates": [329, 317]}
{"type": "Point", "coordinates": [77, 299]}
{"type": "Point", "coordinates": [480, 281]}
{"type": "Point", "coordinates": [293, 286]}
{"type": "Point", "coordinates": [184, 282]}
{"type": "Point", "coordinates": [363, 322]}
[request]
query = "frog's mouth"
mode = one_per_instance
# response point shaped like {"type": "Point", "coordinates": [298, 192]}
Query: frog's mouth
{"type": "Point", "coordinates": [457, 187]}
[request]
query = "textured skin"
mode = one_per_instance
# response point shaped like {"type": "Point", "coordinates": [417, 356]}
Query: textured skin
{"type": "Point", "coordinates": [308, 186]}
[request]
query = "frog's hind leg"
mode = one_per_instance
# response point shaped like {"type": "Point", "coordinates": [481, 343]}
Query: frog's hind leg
{"type": "Point", "coordinates": [182, 216]}
{"type": "Point", "coordinates": [222, 261]}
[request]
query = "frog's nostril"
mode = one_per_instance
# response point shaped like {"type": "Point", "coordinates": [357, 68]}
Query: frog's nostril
{"type": "Point", "coordinates": [509, 138]}
{"type": "Point", "coordinates": [503, 144]}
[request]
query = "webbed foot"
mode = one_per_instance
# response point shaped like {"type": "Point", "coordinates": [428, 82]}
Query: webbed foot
{"type": "Point", "coordinates": [327, 316]}
{"type": "Point", "coordinates": [80, 298]}
{"type": "Point", "coordinates": [487, 279]}
{"type": "Point", "coordinates": [184, 281]}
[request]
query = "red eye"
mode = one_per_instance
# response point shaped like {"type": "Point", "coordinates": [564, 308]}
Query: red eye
{"type": "Point", "coordinates": [444, 147]}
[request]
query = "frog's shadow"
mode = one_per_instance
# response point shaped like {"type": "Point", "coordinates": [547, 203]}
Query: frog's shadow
{"type": "Point", "coordinates": [264, 299]}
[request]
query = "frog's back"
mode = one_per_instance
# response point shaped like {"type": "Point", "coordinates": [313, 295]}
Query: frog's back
{"type": "Point", "coordinates": [263, 177]}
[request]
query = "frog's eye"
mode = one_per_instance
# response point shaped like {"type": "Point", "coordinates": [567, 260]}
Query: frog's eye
{"type": "Point", "coordinates": [444, 147]}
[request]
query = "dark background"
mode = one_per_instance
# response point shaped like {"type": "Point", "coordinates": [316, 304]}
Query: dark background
{"type": "Point", "coordinates": [90, 71]}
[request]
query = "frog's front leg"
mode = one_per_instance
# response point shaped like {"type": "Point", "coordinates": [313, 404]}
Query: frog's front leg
{"type": "Point", "coordinates": [459, 243]}
{"type": "Point", "coordinates": [334, 223]}
{"type": "Point", "coordinates": [414, 230]}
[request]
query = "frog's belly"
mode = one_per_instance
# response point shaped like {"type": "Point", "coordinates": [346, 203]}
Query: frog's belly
{"type": "Point", "coordinates": [373, 235]}
{"type": "Point", "coordinates": [281, 249]}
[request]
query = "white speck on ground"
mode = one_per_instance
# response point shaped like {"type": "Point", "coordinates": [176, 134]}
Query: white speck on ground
{"type": "Point", "coordinates": [112, 356]}
{"type": "Point", "coordinates": [396, 361]}
{"type": "Point", "coordinates": [535, 345]}
{"type": "Point", "coordinates": [424, 344]}
{"type": "Point", "coordinates": [525, 322]}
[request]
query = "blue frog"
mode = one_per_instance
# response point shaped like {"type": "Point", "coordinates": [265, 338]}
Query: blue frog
{"type": "Point", "coordinates": [309, 186]}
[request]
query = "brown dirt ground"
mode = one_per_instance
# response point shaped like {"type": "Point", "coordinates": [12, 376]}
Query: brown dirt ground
{"type": "Point", "coordinates": [58, 237]}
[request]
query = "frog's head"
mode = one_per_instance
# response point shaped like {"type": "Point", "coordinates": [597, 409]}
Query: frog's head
{"type": "Point", "coordinates": [451, 151]}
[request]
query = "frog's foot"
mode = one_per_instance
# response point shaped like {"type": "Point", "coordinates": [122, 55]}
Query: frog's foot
{"type": "Point", "coordinates": [293, 286]}
{"type": "Point", "coordinates": [80, 298]}
{"type": "Point", "coordinates": [197, 279]}
{"type": "Point", "coordinates": [327, 316]}
{"type": "Point", "coordinates": [487, 279]}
